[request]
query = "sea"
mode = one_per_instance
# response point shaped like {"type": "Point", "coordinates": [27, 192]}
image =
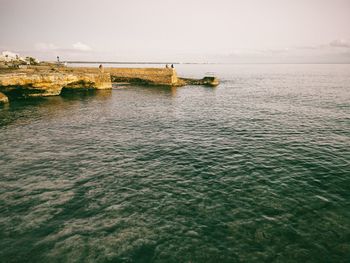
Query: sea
{"type": "Point", "coordinates": [256, 169]}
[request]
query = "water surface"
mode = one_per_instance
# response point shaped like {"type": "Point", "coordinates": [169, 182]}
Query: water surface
{"type": "Point", "coordinates": [255, 170]}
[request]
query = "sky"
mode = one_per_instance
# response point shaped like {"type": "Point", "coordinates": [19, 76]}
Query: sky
{"type": "Point", "coordinates": [229, 31]}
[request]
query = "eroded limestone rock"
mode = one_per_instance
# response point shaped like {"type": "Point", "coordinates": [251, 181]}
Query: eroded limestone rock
{"type": "Point", "coordinates": [206, 81]}
{"type": "Point", "coordinates": [144, 76]}
{"type": "Point", "coordinates": [28, 84]}
{"type": "Point", "coordinates": [3, 98]}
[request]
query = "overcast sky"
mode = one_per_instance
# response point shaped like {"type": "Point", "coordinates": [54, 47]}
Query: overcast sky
{"type": "Point", "coordinates": [178, 30]}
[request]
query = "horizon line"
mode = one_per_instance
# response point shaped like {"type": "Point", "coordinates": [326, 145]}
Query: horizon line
{"type": "Point", "coordinates": [194, 63]}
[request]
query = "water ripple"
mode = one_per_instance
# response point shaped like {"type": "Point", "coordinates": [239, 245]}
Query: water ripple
{"type": "Point", "coordinates": [256, 170]}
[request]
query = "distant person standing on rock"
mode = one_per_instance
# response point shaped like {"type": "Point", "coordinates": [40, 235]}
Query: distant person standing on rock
{"type": "Point", "coordinates": [58, 59]}
{"type": "Point", "coordinates": [100, 67]}
{"type": "Point", "coordinates": [166, 66]}
{"type": "Point", "coordinates": [172, 65]}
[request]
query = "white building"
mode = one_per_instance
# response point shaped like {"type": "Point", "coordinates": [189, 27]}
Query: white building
{"type": "Point", "coordinates": [8, 56]}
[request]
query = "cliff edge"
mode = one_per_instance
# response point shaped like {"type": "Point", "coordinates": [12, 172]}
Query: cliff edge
{"type": "Point", "coordinates": [26, 84]}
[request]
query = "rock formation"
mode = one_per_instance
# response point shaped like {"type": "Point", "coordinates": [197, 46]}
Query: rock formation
{"type": "Point", "coordinates": [206, 81]}
{"type": "Point", "coordinates": [33, 84]}
{"type": "Point", "coordinates": [144, 76]}
{"type": "Point", "coordinates": [3, 98]}
{"type": "Point", "coordinates": [156, 76]}
{"type": "Point", "coordinates": [51, 79]}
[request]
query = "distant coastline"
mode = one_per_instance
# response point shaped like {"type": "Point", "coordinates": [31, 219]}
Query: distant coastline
{"type": "Point", "coordinates": [136, 62]}
{"type": "Point", "coordinates": [204, 63]}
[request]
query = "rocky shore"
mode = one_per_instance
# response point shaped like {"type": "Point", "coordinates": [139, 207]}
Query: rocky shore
{"type": "Point", "coordinates": [50, 80]}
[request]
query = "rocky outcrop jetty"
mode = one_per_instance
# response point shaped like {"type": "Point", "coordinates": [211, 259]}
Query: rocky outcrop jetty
{"type": "Point", "coordinates": [50, 80]}
{"type": "Point", "coordinates": [156, 77]}
{"type": "Point", "coordinates": [144, 76]}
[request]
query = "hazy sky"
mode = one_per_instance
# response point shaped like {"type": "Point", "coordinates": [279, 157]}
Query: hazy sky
{"type": "Point", "coordinates": [180, 30]}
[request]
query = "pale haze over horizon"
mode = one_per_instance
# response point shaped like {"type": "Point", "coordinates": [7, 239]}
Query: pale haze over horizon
{"type": "Point", "coordinates": [249, 31]}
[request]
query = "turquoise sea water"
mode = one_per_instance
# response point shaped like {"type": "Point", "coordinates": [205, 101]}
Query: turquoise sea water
{"type": "Point", "coordinates": [255, 170]}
